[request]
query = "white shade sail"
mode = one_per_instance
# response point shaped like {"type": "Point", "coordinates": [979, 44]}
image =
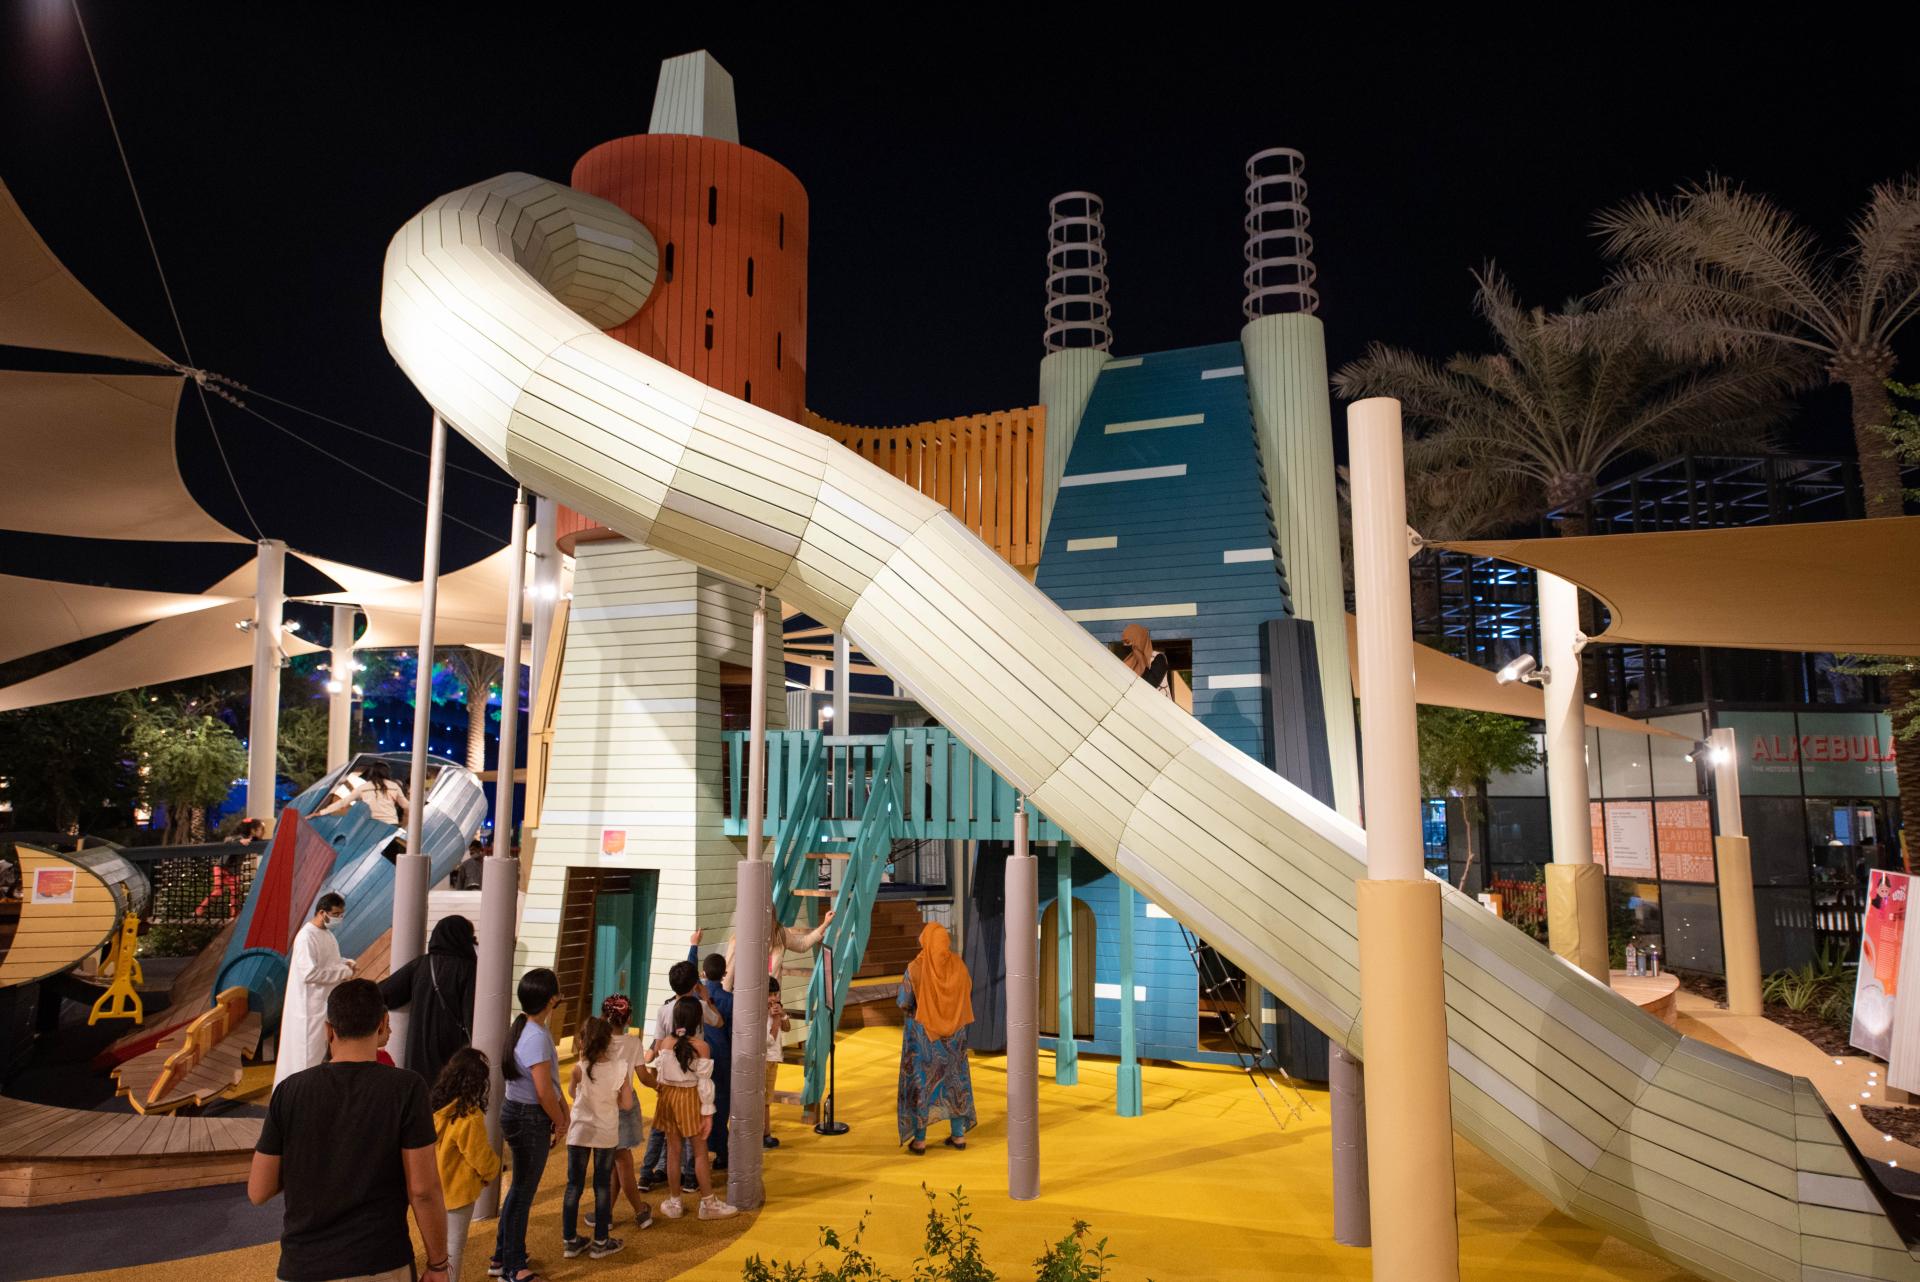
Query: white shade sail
{"type": "Point", "coordinates": [38, 614]}
{"type": "Point", "coordinates": [43, 305]}
{"type": "Point", "coordinates": [91, 456]}
{"type": "Point", "coordinates": [471, 607]}
{"type": "Point", "coordinates": [186, 645]}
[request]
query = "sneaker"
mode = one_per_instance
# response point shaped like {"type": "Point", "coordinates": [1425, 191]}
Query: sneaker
{"type": "Point", "coordinates": [643, 1218]}
{"type": "Point", "coordinates": [601, 1250]}
{"type": "Point", "coordinates": [712, 1208]}
{"type": "Point", "coordinates": [573, 1247]}
{"type": "Point", "coordinates": [495, 1268]}
{"type": "Point", "coordinates": [688, 1180]}
{"type": "Point", "coordinates": [770, 1141]}
{"type": "Point", "coordinates": [650, 1178]}
{"type": "Point", "coordinates": [672, 1209]}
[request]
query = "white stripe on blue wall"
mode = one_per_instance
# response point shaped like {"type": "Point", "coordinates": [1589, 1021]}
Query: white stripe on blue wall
{"type": "Point", "coordinates": [1152, 424]}
{"type": "Point", "coordinates": [1093, 545]}
{"type": "Point", "coordinates": [1230, 371]}
{"type": "Point", "coordinates": [1105, 613]}
{"type": "Point", "coordinates": [1112, 992]}
{"type": "Point", "coordinates": [1236, 681]}
{"type": "Point", "coordinates": [1234, 556]}
{"type": "Point", "coordinates": [1129, 474]}
{"type": "Point", "coordinates": [1128, 363]}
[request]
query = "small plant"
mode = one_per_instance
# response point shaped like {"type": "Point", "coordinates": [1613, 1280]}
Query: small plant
{"type": "Point", "coordinates": [951, 1249]}
{"type": "Point", "coordinates": [1073, 1258]}
{"type": "Point", "coordinates": [854, 1265]}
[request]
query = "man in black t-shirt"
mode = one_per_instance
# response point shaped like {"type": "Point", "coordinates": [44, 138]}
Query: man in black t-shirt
{"type": "Point", "coordinates": [350, 1142]}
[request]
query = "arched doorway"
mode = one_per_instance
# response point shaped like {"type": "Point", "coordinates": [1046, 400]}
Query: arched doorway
{"type": "Point", "coordinates": [1084, 930]}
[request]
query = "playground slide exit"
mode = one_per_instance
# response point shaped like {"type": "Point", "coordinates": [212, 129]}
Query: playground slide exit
{"type": "Point", "coordinates": [493, 302]}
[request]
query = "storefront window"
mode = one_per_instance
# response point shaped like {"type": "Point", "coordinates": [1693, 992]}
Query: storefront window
{"type": "Point", "coordinates": [1633, 917]}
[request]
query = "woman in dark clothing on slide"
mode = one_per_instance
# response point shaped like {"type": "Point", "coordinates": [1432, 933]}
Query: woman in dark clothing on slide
{"type": "Point", "coordinates": [437, 992]}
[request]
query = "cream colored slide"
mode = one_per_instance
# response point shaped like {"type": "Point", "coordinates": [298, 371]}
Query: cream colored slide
{"type": "Point", "coordinates": [493, 303]}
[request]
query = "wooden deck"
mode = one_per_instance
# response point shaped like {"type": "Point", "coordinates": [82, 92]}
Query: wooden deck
{"type": "Point", "coordinates": [216, 1073]}
{"type": "Point", "coordinates": [50, 1155]}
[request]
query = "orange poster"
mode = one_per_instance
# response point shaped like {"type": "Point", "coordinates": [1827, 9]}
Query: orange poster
{"type": "Point", "coordinates": [53, 886]}
{"type": "Point", "coordinates": [1684, 833]}
{"type": "Point", "coordinates": [613, 841]}
{"type": "Point", "coordinates": [1879, 973]}
{"type": "Point", "coordinates": [1599, 837]}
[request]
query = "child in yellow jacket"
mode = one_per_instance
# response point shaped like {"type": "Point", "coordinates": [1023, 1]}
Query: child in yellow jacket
{"type": "Point", "coordinates": [467, 1162]}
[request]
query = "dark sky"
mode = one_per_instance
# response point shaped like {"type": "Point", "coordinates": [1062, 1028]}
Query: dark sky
{"type": "Point", "coordinates": [276, 155]}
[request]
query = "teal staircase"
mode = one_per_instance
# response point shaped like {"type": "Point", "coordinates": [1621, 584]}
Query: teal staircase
{"type": "Point", "coordinates": [851, 797]}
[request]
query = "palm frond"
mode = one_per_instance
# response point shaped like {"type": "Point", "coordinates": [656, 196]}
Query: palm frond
{"type": "Point", "coordinates": [1883, 256]}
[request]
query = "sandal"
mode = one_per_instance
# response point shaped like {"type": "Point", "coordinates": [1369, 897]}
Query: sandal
{"type": "Point", "coordinates": [954, 1141]}
{"type": "Point", "coordinates": [917, 1147]}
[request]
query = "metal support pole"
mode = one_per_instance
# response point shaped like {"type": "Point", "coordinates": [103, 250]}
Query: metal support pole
{"type": "Point", "coordinates": [546, 591]}
{"type": "Point", "coordinates": [500, 875]}
{"type": "Point", "coordinates": [752, 922]}
{"type": "Point", "coordinates": [411, 872]}
{"type": "Point", "coordinates": [1023, 1026]}
{"type": "Point", "coordinates": [1347, 1101]}
{"type": "Point", "coordinates": [1402, 996]}
{"type": "Point", "coordinates": [1066, 1052]}
{"type": "Point", "coordinates": [263, 711]}
{"type": "Point", "coordinates": [1739, 929]}
{"type": "Point", "coordinates": [1128, 1089]}
{"type": "Point", "coordinates": [1576, 886]}
{"type": "Point", "coordinates": [340, 687]}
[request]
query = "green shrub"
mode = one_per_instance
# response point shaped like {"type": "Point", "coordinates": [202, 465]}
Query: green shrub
{"type": "Point", "coordinates": [179, 939]}
{"type": "Point", "coordinates": [949, 1252]}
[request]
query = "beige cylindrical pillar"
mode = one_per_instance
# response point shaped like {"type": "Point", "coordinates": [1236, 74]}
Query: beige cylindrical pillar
{"type": "Point", "coordinates": [1576, 888]}
{"type": "Point", "coordinates": [263, 708]}
{"type": "Point", "coordinates": [1402, 996]}
{"type": "Point", "coordinates": [1739, 925]}
{"type": "Point", "coordinates": [340, 686]}
{"type": "Point", "coordinates": [1347, 1102]}
{"type": "Point", "coordinates": [1023, 1008]}
{"type": "Point", "coordinates": [752, 919]}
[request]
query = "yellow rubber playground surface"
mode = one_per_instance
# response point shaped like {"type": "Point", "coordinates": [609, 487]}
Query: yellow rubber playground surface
{"type": "Point", "coordinates": [1204, 1185]}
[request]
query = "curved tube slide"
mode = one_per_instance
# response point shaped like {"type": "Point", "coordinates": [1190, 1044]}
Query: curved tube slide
{"type": "Point", "coordinates": [493, 302]}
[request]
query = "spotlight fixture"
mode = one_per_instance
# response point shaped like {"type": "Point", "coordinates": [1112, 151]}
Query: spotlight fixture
{"type": "Point", "coordinates": [335, 686]}
{"type": "Point", "coordinates": [245, 625]}
{"type": "Point", "coordinates": [1525, 669]}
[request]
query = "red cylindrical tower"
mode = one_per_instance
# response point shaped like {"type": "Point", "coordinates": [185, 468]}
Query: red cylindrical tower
{"type": "Point", "coordinates": [730, 304]}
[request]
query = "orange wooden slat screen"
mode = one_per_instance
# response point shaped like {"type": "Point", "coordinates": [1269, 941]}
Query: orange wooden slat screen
{"type": "Point", "coordinates": [985, 468]}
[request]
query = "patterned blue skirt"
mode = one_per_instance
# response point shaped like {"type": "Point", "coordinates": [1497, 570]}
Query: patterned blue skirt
{"type": "Point", "coordinates": [935, 1082]}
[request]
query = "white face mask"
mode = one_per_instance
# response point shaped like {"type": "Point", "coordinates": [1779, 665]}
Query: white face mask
{"type": "Point", "coordinates": [327, 923]}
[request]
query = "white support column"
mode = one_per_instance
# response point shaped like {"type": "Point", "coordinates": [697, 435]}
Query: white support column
{"type": "Point", "coordinates": [1023, 1008]}
{"type": "Point", "coordinates": [752, 921]}
{"type": "Point", "coordinates": [1402, 996]}
{"type": "Point", "coordinates": [263, 712]}
{"type": "Point", "coordinates": [411, 870]}
{"type": "Point", "coordinates": [340, 687]}
{"type": "Point", "coordinates": [1576, 886]}
{"type": "Point", "coordinates": [546, 591]}
{"type": "Point", "coordinates": [842, 683]}
{"type": "Point", "coordinates": [500, 875]}
{"type": "Point", "coordinates": [1739, 928]}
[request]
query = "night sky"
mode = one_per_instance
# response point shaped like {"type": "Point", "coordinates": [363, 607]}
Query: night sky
{"type": "Point", "coordinates": [278, 147]}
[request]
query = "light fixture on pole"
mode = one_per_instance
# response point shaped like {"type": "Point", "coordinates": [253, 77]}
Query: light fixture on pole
{"type": "Point", "coordinates": [1525, 669]}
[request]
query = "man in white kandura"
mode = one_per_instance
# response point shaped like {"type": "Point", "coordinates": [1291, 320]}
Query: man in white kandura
{"type": "Point", "coordinates": [315, 968]}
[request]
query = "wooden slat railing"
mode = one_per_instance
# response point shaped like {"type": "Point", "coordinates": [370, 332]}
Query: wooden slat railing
{"type": "Point", "coordinates": [986, 469]}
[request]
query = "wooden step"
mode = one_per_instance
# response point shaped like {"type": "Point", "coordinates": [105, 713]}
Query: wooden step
{"type": "Point", "coordinates": [827, 854]}
{"type": "Point", "coordinates": [814, 894]}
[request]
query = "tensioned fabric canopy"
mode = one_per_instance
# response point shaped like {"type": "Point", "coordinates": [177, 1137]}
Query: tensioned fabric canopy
{"type": "Point", "coordinates": [1442, 681]}
{"type": "Point", "coordinates": [470, 607]}
{"type": "Point", "coordinates": [43, 305]}
{"type": "Point", "coordinates": [38, 614]}
{"type": "Point", "coordinates": [186, 645]}
{"type": "Point", "coordinates": [1829, 586]}
{"type": "Point", "coordinates": [91, 456]}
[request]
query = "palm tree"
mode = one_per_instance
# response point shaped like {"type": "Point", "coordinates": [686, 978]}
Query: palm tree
{"type": "Point", "coordinates": [476, 671]}
{"type": "Point", "coordinates": [1720, 270]}
{"type": "Point", "coordinates": [1570, 393]}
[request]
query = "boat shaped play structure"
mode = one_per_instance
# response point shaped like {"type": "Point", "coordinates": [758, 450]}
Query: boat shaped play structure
{"type": "Point", "coordinates": [71, 903]}
{"type": "Point", "coordinates": [494, 299]}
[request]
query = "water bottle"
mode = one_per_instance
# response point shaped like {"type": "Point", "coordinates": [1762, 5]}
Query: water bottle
{"type": "Point", "coordinates": [1652, 963]}
{"type": "Point", "coordinates": [1633, 960]}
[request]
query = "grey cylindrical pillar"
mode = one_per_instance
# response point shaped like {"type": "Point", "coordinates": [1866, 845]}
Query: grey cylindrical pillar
{"type": "Point", "coordinates": [546, 590]}
{"type": "Point", "coordinates": [1347, 1099]}
{"type": "Point", "coordinates": [263, 711]}
{"type": "Point", "coordinates": [1023, 1025]}
{"type": "Point", "coordinates": [411, 875]}
{"type": "Point", "coordinates": [752, 916]}
{"type": "Point", "coordinates": [340, 686]}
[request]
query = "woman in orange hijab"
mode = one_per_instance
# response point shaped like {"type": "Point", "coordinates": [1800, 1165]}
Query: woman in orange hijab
{"type": "Point", "coordinates": [935, 1083]}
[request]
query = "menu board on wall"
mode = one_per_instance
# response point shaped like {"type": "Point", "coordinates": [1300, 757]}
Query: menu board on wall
{"type": "Point", "coordinates": [1685, 833]}
{"type": "Point", "coordinates": [1879, 978]}
{"type": "Point", "coordinates": [1599, 836]}
{"type": "Point", "coordinates": [1630, 839]}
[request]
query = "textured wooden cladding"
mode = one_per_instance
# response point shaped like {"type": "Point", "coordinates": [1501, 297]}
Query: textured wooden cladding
{"type": "Point", "coordinates": [986, 468]}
